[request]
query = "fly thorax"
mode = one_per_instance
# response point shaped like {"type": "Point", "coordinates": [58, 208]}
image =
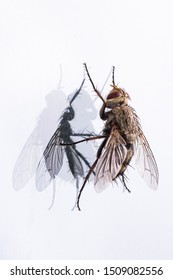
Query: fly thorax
{"type": "Point", "coordinates": [126, 122]}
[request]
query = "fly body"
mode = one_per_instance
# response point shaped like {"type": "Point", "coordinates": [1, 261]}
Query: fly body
{"type": "Point", "coordinates": [121, 123]}
{"type": "Point", "coordinates": [123, 139]}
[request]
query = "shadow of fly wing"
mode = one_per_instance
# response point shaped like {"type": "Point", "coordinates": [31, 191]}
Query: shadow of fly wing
{"type": "Point", "coordinates": [53, 156]}
{"type": "Point", "coordinates": [46, 164]}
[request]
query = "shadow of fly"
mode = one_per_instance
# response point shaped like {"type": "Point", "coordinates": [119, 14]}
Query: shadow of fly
{"type": "Point", "coordinates": [52, 160]}
{"type": "Point", "coordinates": [122, 139]}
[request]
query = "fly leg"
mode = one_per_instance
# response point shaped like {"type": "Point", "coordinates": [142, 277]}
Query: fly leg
{"type": "Point", "coordinates": [84, 183]}
{"type": "Point", "coordinates": [84, 159]}
{"type": "Point", "coordinates": [77, 178]}
{"type": "Point", "coordinates": [125, 164]}
{"type": "Point", "coordinates": [83, 140]}
{"type": "Point", "coordinates": [98, 93]}
{"type": "Point", "coordinates": [91, 170]}
{"type": "Point", "coordinates": [124, 178]}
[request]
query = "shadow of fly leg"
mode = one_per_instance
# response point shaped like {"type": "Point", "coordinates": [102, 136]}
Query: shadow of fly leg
{"type": "Point", "coordinates": [53, 196]}
{"type": "Point", "coordinates": [83, 134]}
{"type": "Point", "coordinates": [77, 178]}
{"type": "Point", "coordinates": [77, 193]}
{"type": "Point", "coordinates": [91, 168]}
{"type": "Point", "coordinates": [84, 160]}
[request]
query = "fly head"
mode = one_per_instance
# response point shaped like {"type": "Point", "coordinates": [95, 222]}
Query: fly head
{"type": "Point", "coordinates": [117, 97]}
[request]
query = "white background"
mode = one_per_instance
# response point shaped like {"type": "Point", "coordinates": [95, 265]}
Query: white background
{"type": "Point", "coordinates": [36, 37]}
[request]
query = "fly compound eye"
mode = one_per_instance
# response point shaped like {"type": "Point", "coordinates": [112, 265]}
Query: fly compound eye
{"type": "Point", "coordinates": [114, 94]}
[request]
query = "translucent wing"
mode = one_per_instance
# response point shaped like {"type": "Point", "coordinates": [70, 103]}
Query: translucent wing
{"type": "Point", "coordinates": [110, 162]}
{"type": "Point", "coordinates": [50, 164]}
{"type": "Point", "coordinates": [145, 162]}
{"type": "Point", "coordinates": [27, 161]}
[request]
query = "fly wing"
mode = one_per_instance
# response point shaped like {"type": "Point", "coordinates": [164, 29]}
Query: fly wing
{"type": "Point", "coordinates": [110, 162]}
{"type": "Point", "coordinates": [27, 161]}
{"type": "Point", "coordinates": [145, 162]}
{"type": "Point", "coordinates": [50, 164]}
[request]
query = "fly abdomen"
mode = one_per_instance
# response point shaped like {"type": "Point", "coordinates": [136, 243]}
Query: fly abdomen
{"type": "Point", "coordinates": [128, 158]}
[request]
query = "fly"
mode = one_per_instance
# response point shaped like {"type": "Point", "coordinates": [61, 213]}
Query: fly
{"type": "Point", "coordinates": [123, 138]}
